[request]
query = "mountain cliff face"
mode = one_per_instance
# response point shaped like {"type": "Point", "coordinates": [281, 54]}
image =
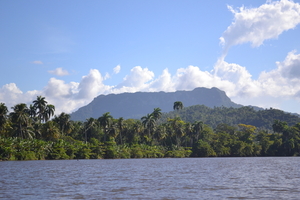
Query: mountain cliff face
{"type": "Point", "coordinates": [136, 105]}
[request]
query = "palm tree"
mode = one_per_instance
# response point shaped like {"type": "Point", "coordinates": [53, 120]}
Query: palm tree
{"type": "Point", "coordinates": [37, 128]}
{"type": "Point", "coordinates": [64, 123]}
{"type": "Point", "coordinates": [149, 123]}
{"type": "Point", "coordinates": [156, 113]}
{"type": "Point", "coordinates": [120, 125]}
{"type": "Point", "coordinates": [20, 118]}
{"type": "Point", "coordinates": [49, 112]}
{"type": "Point", "coordinates": [50, 131]}
{"type": "Point", "coordinates": [177, 105]}
{"type": "Point", "coordinates": [134, 135]}
{"type": "Point", "coordinates": [113, 130]}
{"type": "Point", "coordinates": [40, 104]}
{"type": "Point", "coordinates": [198, 128]}
{"type": "Point", "coordinates": [105, 122]}
{"type": "Point", "coordinates": [3, 115]}
{"type": "Point", "coordinates": [32, 112]}
{"type": "Point", "coordinates": [77, 130]}
{"type": "Point", "coordinates": [188, 128]}
{"type": "Point", "coordinates": [90, 125]}
{"type": "Point", "coordinates": [177, 126]}
{"type": "Point", "coordinates": [160, 133]}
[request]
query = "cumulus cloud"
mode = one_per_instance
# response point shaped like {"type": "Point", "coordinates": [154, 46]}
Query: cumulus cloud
{"type": "Point", "coordinates": [285, 79]}
{"type": "Point", "coordinates": [59, 72]}
{"type": "Point", "coordinates": [137, 80]}
{"type": "Point", "coordinates": [255, 25]}
{"type": "Point", "coordinates": [238, 79]}
{"type": "Point", "coordinates": [269, 90]}
{"type": "Point", "coordinates": [162, 83]}
{"type": "Point", "coordinates": [91, 85]}
{"type": "Point", "coordinates": [11, 95]}
{"type": "Point", "coordinates": [192, 76]}
{"type": "Point", "coordinates": [290, 67]}
{"type": "Point", "coordinates": [66, 97]}
{"type": "Point", "coordinates": [37, 62]}
{"type": "Point", "coordinates": [58, 88]}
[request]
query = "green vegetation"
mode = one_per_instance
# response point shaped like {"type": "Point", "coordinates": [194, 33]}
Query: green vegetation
{"type": "Point", "coordinates": [33, 133]}
{"type": "Point", "coordinates": [262, 119]}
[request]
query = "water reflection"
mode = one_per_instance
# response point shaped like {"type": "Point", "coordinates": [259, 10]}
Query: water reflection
{"type": "Point", "coordinates": [185, 178]}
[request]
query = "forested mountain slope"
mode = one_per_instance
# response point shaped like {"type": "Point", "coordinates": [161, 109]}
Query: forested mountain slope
{"type": "Point", "coordinates": [136, 105]}
{"type": "Point", "coordinates": [263, 118]}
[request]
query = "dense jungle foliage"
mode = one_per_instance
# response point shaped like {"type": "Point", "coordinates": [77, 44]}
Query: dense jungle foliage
{"type": "Point", "coordinates": [262, 119]}
{"type": "Point", "coordinates": [33, 133]}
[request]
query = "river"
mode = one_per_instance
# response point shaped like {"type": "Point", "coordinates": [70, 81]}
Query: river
{"type": "Point", "coordinates": [164, 178]}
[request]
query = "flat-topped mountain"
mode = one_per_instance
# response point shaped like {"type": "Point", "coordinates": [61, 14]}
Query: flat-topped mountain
{"type": "Point", "coordinates": [136, 105]}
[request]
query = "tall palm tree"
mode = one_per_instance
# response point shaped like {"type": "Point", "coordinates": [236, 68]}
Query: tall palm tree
{"type": "Point", "coordinates": [120, 124]}
{"type": "Point", "coordinates": [149, 123]}
{"type": "Point", "coordinates": [113, 130]}
{"type": "Point", "coordinates": [89, 125]}
{"type": "Point", "coordinates": [198, 128]}
{"type": "Point", "coordinates": [20, 118]}
{"type": "Point", "coordinates": [49, 112]}
{"type": "Point", "coordinates": [188, 128]}
{"type": "Point", "coordinates": [177, 105]}
{"type": "Point", "coordinates": [40, 104]}
{"type": "Point", "coordinates": [105, 122]}
{"type": "Point", "coordinates": [156, 113]}
{"type": "Point", "coordinates": [32, 111]}
{"type": "Point", "coordinates": [3, 115]}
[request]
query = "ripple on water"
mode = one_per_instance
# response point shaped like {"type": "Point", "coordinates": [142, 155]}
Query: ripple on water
{"type": "Point", "coordinates": [189, 178]}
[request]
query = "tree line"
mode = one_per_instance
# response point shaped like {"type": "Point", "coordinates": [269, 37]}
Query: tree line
{"type": "Point", "coordinates": [34, 133]}
{"type": "Point", "coordinates": [262, 119]}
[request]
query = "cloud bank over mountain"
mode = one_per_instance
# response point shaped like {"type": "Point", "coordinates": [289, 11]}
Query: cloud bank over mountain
{"type": "Point", "coordinates": [250, 25]}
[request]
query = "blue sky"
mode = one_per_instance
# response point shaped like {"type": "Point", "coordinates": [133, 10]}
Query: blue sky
{"type": "Point", "coordinates": [72, 51]}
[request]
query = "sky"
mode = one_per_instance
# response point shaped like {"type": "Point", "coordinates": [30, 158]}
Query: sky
{"type": "Point", "coordinates": [71, 51]}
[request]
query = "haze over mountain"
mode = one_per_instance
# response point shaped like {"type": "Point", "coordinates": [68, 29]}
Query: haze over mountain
{"type": "Point", "coordinates": [136, 105]}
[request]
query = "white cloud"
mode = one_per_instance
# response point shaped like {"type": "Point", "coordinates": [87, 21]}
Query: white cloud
{"type": "Point", "coordinates": [255, 25]}
{"type": "Point", "coordinates": [239, 79]}
{"type": "Point", "coordinates": [285, 79]}
{"type": "Point", "coordinates": [137, 80]}
{"type": "Point", "coordinates": [271, 89]}
{"type": "Point", "coordinates": [117, 69]}
{"type": "Point", "coordinates": [11, 95]}
{"type": "Point", "coordinates": [58, 88]}
{"type": "Point", "coordinates": [68, 97]}
{"type": "Point", "coordinates": [91, 85]}
{"type": "Point", "coordinates": [290, 67]}
{"type": "Point", "coordinates": [59, 72]}
{"type": "Point", "coordinates": [37, 62]}
{"type": "Point", "coordinates": [162, 83]}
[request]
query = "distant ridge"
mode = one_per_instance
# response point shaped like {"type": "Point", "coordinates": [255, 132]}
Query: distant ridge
{"type": "Point", "coordinates": [136, 105]}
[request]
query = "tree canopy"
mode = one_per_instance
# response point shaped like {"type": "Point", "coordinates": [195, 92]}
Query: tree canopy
{"type": "Point", "coordinates": [198, 131]}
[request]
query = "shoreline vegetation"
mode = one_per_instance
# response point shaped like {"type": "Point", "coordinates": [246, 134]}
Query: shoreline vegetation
{"type": "Point", "coordinates": [34, 133]}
